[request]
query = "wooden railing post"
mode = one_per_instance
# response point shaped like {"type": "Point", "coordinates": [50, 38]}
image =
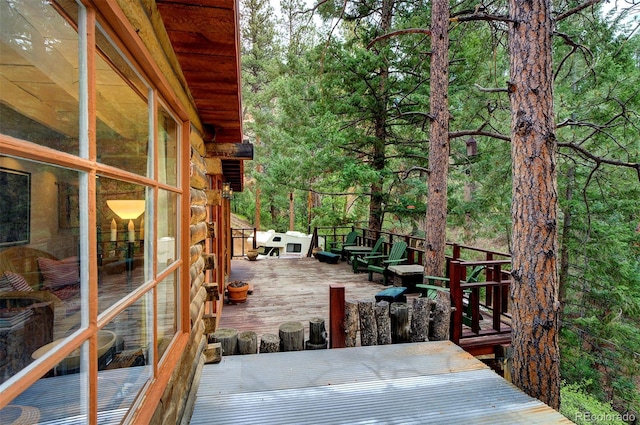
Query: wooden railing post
{"type": "Point", "coordinates": [489, 276]}
{"type": "Point", "coordinates": [497, 297]}
{"type": "Point", "coordinates": [456, 301]}
{"type": "Point", "coordinates": [336, 317]}
{"type": "Point", "coordinates": [456, 251]}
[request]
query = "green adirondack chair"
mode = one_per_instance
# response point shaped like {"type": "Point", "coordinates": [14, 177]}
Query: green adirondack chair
{"type": "Point", "coordinates": [430, 290]}
{"type": "Point", "coordinates": [396, 256]}
{"type": "Point", "coordinates": [350, 240]}
{"type": "Point", "coordinates": [357, 259]}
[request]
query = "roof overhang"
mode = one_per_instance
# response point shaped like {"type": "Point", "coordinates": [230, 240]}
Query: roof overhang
{"type": "Point", "coordinates": [205, 38]}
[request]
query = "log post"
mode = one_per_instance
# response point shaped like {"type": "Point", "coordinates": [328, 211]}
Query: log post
{"type": "Point", "coordinates": [291, 336]}
{"type": "Point", "coordinates": [442, 316]}
{"type": "Point", "coordinates": [383, 323]}
{"type": "Point", "coordinates": [400, 330]}
{"type": "Point", "coordinates": [350, 323]}
{"type": "Point", "coordinates": [317, 335]}
{"type": "Point", "coordinates": [455, 301]}
{"type": "Point", "coordinates": [420, 319]}
{"type": "Point", "coordinates": [247, 342]}
{"type": "Point", "coordinates": [269, 343]}
{"type": "Point", "coordinates": [368, 328]}
{"type": "Point", "coordinates": [228, 338]}
{"type": "Point", "coordinates": [336, 317]}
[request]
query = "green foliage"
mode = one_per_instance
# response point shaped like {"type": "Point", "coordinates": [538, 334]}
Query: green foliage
{"type": "Point", "coordinates": [584, 409]}
{"type": "Point", "coordinates": [313, 104]}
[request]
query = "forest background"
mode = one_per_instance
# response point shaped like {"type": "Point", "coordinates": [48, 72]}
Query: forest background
{"type": "Point", "coordinates": [339, 117]}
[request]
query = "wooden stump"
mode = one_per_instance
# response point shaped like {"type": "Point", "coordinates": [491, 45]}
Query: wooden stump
{"type": "Point", "coordinates": [213, 353]}
{"type": "Point", "coordinates": [317, 335]}
{"type": "Point", "coordinates": [351, 322]}
{"type": "Point", "coordinates": [269, 343]}
{"type": "Point", "coordinates": [291, 336]}
{"type": "Point", "coordinates": [383, 323]}
{"type": "Point", "coordinates": [400, 331]}
{"type": "Point", "coordinates": [420, 319]}
{"type": "Point", "coordinates": [368, 328]}
{"type": "Point", "coordinates": [247, 342]}
{"type": "Point", "coordinates": [228, 338]}
{"type": "Point", "coordinates": [441, 316]}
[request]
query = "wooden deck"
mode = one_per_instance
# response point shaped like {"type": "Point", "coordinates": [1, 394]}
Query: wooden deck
{"type": "Point", "coordinates": [298, 290]}
{"type": "Point", "coordinates": [292, 290]}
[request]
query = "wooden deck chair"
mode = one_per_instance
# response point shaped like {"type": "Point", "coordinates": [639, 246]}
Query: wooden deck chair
{"type": "Point", "coordinates": [349, 240]}
{"type": "Point", "coordinates": [357, 259]}
{"type": "Point", "coordinates": [396, 256]}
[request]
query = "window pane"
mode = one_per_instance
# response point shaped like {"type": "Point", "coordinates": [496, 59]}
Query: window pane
{"type": "Point", "coordinates": [50, 399]}
{"type": "Point", "coordinates": [39, 261]}
{"type": "Point", "coordinates": [39, 88]}
{"type": "Point", "coordinates": [167, 228]}
{"type": "Point", "coordinates": [122, 112]}
{"type": "Point", "coordinates": [168, 136]}
{"type": "Point", "coordinates": [120, 216]}
{"type": "Point", "coordinates": [167, 320]}
{"type": "Point", "coordinates": [125, 367]}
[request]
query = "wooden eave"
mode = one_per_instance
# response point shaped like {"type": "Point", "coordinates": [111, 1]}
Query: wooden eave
{"type": "Point", "coordinates": [205, 38]}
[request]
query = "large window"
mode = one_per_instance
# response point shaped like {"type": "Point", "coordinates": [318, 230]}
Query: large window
{"type": "Point", "coordinates": [91, 190]}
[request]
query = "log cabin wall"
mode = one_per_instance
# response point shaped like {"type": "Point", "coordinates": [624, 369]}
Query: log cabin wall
{"type": "Point", "coordinates": [207, 262]}
{"type": "Point", "coordinates": [179, 396]}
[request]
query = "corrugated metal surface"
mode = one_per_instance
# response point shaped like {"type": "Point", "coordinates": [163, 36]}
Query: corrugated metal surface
{"type": "Point", "coordinates": [421, 383]}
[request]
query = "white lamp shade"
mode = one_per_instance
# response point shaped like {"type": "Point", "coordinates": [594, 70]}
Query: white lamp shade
{"type": "Point", "coordinates": [127, 208]}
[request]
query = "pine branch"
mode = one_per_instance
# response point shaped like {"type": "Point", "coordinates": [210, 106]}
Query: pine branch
{"type": "Point", "coordinates": [599, 160]}
{"type": "Point", "coordinates": [482, 17]}
{"type": "Point", "coordinates": [399, 32]}
{"type": "Point", "coordinates": [463, 133]}
{"type": "Point", "coordinates": [491, 90]}
{"type": "Point", "coordinates": [576, 9]}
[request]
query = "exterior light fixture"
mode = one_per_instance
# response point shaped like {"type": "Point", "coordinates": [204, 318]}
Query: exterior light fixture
{"type": "Point", "coordinates": [227, 191]}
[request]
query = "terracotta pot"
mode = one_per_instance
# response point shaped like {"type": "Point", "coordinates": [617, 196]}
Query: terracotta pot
{"type": "Point", "coordinates": [237, 294]}
{"type": "Point", "coordinates": [252, 254]}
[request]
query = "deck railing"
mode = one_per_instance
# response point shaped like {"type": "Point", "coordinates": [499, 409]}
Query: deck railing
{"type": "Point", "coordinates": [487, 295]}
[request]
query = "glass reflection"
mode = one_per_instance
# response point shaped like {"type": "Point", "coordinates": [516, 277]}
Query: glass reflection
{"type": "Point", "coordinates": [121, 108]}
{"type": "Point", "coordinates": [39, 261]}
{"type": "Point", "coordinates": [39, 76]}
{"type": "Point", "coordinates": [167, 301]}
{"type": "Point", "coordinates": [121, 237]}
{"type": "Point", "coordinates": [127, 363]}
{"type": "Point", "coordinates": [168, 136]}
{"type": "Point", "coordinates": [167, 228]}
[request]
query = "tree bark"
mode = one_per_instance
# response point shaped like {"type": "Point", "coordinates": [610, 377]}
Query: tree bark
{"type": "Point", "coordinates": [291, 336]}
{"type": "Point", "coordinates": [534, 289]}
{"type": "Point", "coordinates": [269, 343]}
{"type": "Point", "coordinates": [247, 342]}
{"type": "Point", "coordinates": [378, 156]}
{"type": "Point", "coordinates": [383, 323]}
{"type": "Point", "coordinates": [436, 215]}
{"type": "Point", "coordinates": [368, 327]}
{"type": "Point", "coordinates": [351, 323]}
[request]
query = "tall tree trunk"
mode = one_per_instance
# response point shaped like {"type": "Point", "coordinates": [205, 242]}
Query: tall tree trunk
{"type": "Point", "coordinates": [534, 289]}
{"type": "Point", "coordinates": [380, 126]}
{"type": "Point", "coordinates": [436, 215]}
